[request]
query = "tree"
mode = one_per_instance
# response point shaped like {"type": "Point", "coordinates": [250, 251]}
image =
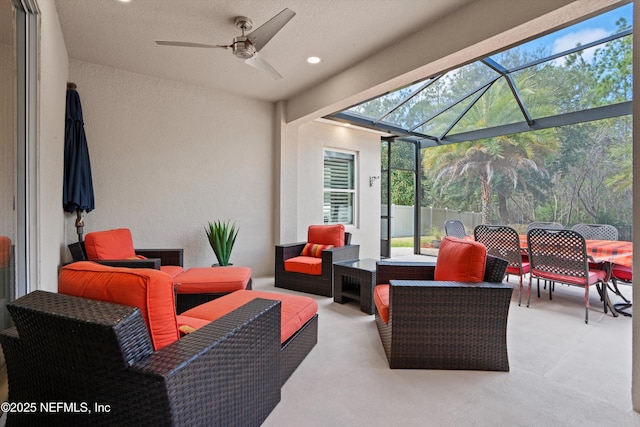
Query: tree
{"type": "Point", "coordinates": [504, 156]}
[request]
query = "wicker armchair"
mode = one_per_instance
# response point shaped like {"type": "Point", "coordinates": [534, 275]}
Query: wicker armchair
{"type": "Point", "coordinates": [444, 324]}
{"type": "Point", "coordinates": [319, 284]}
{"type": "Point", "coordinates": [119, 241]}
{"type": "Point", "coordinates": [87, 353]}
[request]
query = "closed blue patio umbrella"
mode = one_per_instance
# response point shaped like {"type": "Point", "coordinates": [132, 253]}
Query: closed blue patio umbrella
{"type": "Point", "coordinates": [77, 190]}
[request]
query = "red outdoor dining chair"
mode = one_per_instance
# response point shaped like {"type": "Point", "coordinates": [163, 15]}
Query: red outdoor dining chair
{"type": "Point", "coordinates": [623, 274]}
{"type": "Point", "coordinates": [503, 242]}
{"type": "Point", "coordinates": [561, 256]}
{"type": "Point", "coordinates": [606, 232]}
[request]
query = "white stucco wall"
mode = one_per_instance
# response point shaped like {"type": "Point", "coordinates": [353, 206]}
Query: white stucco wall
{"type": "Point", "coordinates": [168, 157]}
{"type": "Point", "coordinates": [313, 138]}
{"type": "Point", "coordinates": [50, 151]}
{"type": "Point", "coordinates": [7, 141]}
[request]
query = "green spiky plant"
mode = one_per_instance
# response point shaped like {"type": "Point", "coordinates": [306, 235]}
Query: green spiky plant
{"type": "Point", "coordinates": [222, 236]}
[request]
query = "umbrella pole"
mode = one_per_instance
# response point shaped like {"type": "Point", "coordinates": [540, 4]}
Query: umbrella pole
{"type": "Point", "coordinates": [79, 224]}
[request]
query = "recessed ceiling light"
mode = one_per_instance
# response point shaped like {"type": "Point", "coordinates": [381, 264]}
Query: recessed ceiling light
{"type": "Point", "coordinates": [124, 1]}
{"type": "Point", "coordinates": [313, 60]}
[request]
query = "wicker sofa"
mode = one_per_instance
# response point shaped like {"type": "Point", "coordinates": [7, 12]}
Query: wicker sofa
{"type": "Point", "coordinates": [308, 266]}
{"type": "Point", "coordinates": [115, 328]}
{"type": "Point", "coordinates": [436, 316]}
{"type": "Point", "coordinates": [86, 352]}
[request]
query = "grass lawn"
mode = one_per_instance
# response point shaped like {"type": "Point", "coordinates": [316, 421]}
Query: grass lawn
{"type": "Point", "coordinates": [407, 242]}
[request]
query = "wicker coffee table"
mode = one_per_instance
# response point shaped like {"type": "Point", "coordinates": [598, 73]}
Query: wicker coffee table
{"type": "Point", "coordinates": [354, 280]}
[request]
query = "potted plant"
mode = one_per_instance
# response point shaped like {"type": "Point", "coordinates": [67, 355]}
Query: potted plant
{"type": "Point", "coordinates": [222, 236]}
{"type": "Point", "coordinates": [437, 236]}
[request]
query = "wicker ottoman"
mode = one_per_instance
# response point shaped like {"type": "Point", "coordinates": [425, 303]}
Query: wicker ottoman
{"type": "Point", "coordinates": [196, 286]}
{"type": "Point", "coordinates": [299, 322]}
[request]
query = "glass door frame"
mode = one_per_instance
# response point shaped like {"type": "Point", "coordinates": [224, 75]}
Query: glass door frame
{"type": "Point", "coordinates": [386, 191]}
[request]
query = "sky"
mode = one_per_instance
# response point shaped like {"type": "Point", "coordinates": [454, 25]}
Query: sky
{"type": "Point", "coordinates": [586, 31]}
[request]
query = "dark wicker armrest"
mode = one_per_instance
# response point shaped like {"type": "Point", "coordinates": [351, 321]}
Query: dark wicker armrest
{"type": "Point", "coordinates": [342, 253]}
{"type": "Point", "coordinates": [495, 269]}
{"type": "Point", "coordinates": [338, 254]}
{"type": "Point", "coordinates": [213, 375]}
{"type": "Point", "coordinates": [153, 263]}
{"type": "Point", "coordinates": [289, 250]}
{"type": "Point", "coordinates": [389, 270]}
{"type": "Point", "coordinates": [449, 325]}
{"type": "Point", "coordinates": [167, 256]}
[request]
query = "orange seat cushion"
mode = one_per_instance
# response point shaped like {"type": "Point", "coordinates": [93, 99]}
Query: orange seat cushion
{"type": "Point", "coordinates": [460, 260]}
{"type": "Point", "coordinates": [149, 290]}
{"type": "Point", "coordinates": [109, 244]}
{"type": "Point", "coordinates": [326, 234]}
{"type": "Point", "coordinates": [381, 300]}
{"type": "Point", "coordinates": [212, 279]}
{"type": "Point", "coordinates": [171, 270]}
{"type": "Point", "coordinates": [304, 265]}
{"type": "Point", "coordinates": [295, 310]}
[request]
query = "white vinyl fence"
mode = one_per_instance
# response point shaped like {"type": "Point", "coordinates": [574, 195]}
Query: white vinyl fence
{"type": "Point", "coordinates": [402, 219]}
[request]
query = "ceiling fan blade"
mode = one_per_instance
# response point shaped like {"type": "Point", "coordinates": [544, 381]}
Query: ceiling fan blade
{"type": "Point", "coordinates": [261, 35]}
{"type": "Point", "coordinates": [257, 62]}
{"type": "Point", "coordinates": [188, 44]}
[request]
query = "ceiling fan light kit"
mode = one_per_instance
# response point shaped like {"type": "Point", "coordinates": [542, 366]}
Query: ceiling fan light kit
{"type": "Point", "coordinates": [247, 46]}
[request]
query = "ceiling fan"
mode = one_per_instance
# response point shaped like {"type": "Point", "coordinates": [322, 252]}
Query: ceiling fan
{"type": "Point", "coordinates": [248, 46]}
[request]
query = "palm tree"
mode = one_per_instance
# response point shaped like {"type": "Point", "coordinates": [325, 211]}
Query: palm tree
{"type": "Point", "coordinates": [508, 156]}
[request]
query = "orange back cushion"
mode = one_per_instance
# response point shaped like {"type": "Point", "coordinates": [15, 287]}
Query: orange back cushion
{"type": "Point", "coordinates": [460, 260]}
{"type": "Point", "coordinates": [5, 251]}
{"type": "Point", "coordinates": [109, 244]}
{"type": "Point", "coordinates": [149, 290]}
{"type": "Point", "coordinates": [326, 234]}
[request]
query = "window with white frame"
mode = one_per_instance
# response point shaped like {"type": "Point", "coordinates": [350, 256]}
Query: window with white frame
{"type": "Point", "coordinates": [339, 187]}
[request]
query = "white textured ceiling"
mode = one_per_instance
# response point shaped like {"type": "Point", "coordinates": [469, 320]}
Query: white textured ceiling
{"type": "Point", "coordinates": [341, 32]}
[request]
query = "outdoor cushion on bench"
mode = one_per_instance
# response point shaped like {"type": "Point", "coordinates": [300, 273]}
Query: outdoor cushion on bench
{"type": "Point", "coordinates": [299, 322]}
{"type": "Point", "coordinates": [149, 290]}
{"type": "Point", "coordinates": [198, 285]}
{"type": "Point", "coordinates": [296, 310]}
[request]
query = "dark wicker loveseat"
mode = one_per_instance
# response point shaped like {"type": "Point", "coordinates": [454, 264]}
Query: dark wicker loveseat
{"type": "Point", "coordinates": [98, 360]}
{"type": "Point", "coordinates": [444, 324]}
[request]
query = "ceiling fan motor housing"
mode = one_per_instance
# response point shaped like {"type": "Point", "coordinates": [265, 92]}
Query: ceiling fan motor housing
{"type": "Point", "coordinates": [243, 48]}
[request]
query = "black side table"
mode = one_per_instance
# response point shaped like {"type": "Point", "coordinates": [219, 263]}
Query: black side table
{"type": "Point", "coordinates": [355, 280]}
